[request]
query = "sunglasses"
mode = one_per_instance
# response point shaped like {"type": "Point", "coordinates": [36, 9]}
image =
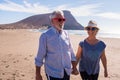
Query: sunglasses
{"type": "Point", "coordinates": [91, 28]}
{"type": "Point", "coordinates": [59, 19]}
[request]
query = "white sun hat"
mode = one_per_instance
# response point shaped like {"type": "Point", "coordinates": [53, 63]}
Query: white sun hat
{"type": "Point", "coordinates": [92, 23]}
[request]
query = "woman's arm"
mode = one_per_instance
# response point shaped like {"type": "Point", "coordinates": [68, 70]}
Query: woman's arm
{"type": "Point", "coordinates": [78, 55]}
{"type": "Point", "coordinates": [104, 62]}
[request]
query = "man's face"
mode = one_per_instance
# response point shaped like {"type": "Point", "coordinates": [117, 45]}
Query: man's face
{"type": "Point", "coordinates": [58, 21]}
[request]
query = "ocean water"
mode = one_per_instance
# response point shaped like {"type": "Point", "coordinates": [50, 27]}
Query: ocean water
{"type": "Point", "coordinates": [99, 34]}
{"type": "Point", "coordinates": [84, 33]}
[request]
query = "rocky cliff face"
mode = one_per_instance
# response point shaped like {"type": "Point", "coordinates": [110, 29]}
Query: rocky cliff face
{"type": "Point", "coordinates": [42, 21]}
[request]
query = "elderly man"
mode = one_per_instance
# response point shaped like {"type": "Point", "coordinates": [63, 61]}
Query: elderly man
{"type": "Point", "coordinates": [56, 49]}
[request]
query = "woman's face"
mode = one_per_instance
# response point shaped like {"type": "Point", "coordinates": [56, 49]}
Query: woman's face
{"type": "Point", "coordinates": [92, 31]}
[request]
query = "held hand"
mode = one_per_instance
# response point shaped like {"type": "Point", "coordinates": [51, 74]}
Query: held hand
{"type": "Point", "coordinates": [39, 77]}
{"type": "Point", "coordinates": [75, 71]}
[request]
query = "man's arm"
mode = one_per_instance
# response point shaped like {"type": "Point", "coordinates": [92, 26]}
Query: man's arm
{"type": "Point", "coordinates": [40, 56]}
{"type": "Point", "coordinates": [38, 73]}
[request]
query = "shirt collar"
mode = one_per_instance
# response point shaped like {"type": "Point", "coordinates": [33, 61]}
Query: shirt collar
{"type": "Point", "coordinates": [56, 31]}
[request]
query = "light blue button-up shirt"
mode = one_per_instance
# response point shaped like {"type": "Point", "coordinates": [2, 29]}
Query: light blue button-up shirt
{"type": "Point", "coordinates": [57, 51]}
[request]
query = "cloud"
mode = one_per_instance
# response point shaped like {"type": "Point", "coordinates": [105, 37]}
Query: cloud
{"type": "Point", "coordinates": [109, 15]}
{"type": "Point", "coordinates": [35, 8]}
{"type": "Point", "coordinates": [61, 7]}
{"type": "Point", "coordinates": [85, 10]}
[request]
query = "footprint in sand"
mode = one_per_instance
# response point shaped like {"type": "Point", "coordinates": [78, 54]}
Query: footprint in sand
{"type": "Point", "coordinates": [22, 75]}
{"type": "Point", "coordinates": [26, 58]}
{"type": "Point", "coordinates": [7, 66]}
{"type": "Point", "coordinates": [3, 73]}
{"type": "Point", "coordinates": [16, 61]}
{"type": "Point", "coordinates": [31, 55]}
{"type": "Point", "coordinates": [4, 61]}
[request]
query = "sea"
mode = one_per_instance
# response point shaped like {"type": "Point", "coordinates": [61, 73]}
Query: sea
{"type": "Point", "coordinates": [102, 34]}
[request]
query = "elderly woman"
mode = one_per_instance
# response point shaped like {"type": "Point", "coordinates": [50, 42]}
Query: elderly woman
{"type": "Point", "coordinates": [89, 53]}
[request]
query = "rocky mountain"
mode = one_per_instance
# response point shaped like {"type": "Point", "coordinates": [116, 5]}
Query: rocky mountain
{"type": "Point", "coordinates": [42, 21]}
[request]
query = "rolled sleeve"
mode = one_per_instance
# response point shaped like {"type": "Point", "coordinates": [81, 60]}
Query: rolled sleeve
{"type": "Point", "coordinates": [41, 51]}
{"type": "Point", "coordinates": [73, 58]}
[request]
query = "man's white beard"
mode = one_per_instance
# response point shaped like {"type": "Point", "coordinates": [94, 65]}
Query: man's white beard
{"type": "Point", "coordinates": [61, 26]}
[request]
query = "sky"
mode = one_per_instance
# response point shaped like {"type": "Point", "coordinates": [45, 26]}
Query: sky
{"type": "Point", "coordinates": [105, 12]}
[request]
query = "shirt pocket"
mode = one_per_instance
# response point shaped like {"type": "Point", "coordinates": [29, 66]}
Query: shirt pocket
{"type": "Point", "coordinates": [65, 44]}
{"type": "Point", "coordinates": [52, 44]}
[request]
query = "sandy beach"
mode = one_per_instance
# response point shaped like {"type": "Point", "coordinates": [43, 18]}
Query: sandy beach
{"type": "Point", "coordinates": [19, 47]}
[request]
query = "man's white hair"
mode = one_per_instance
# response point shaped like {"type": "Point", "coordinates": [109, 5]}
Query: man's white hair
{"type": "Point", "coordinates": [53, 14]}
